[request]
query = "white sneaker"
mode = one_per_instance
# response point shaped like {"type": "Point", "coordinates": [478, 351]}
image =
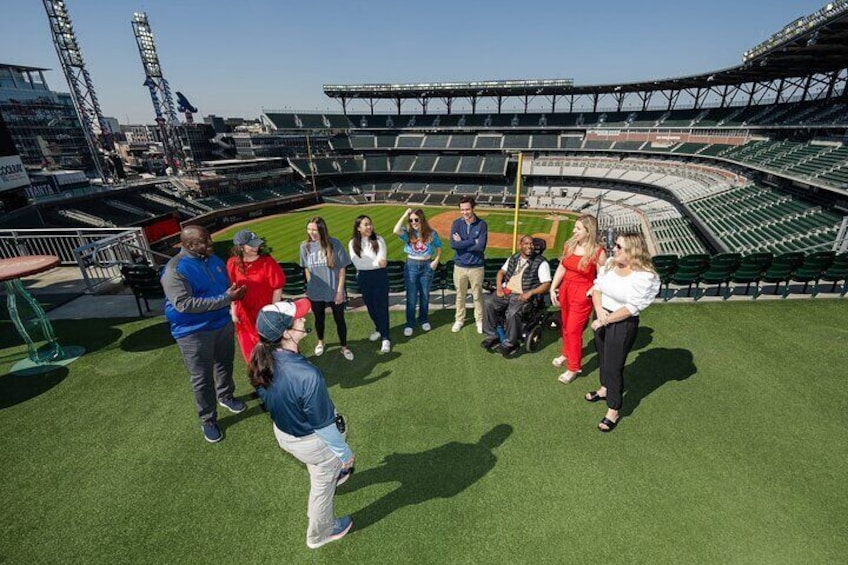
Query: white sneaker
{"type": "Point", "coordinates": [374, 336]}
{"type": "Point", "coordinates": [456, 327]}
{"type": "Point", "coordinates": [386, 347]}
{"type": "Point", "coordinates": [319, 350]}
{"type": "Point", "coordinates": [407, 332]}
{"type": "Point", "coordinates": [348, 354]}
{"type": "Point", "coordinates": [480, 328]}
{"type": "Point", "coordinates": [426, 326]}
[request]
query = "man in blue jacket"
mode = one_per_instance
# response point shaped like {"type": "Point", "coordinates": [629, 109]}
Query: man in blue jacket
{"type": "Point", "coordinates": [198, 295]}
{"type": "Point", "coordinates": [468, 240]}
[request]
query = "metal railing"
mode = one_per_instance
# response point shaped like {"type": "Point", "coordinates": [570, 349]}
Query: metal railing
{"type": "Point", "coordinates": [60, 242]}
{"type": "Point", "coordinates": [99, 252]}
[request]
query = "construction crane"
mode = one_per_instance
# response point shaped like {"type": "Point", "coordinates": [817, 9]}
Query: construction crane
{"type": "Point", "coordinates": [94, 127]}
{"type": "Point", "coordinates": [183, 105]}
{"type": "Point", "coordinates": [160, 92]}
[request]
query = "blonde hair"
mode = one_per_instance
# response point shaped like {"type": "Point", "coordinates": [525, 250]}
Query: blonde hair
{"type": "Point", "coordinates": [637, 250]}
{"type": "Point", "coordinates": [590, 246]}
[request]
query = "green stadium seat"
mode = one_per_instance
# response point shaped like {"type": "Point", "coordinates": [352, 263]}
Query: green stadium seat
{"type": "Point", "coordinates": [813, 267]}
{"type": "Point", "coordinates": [781, 270]}
{"type": "Point", "coordinates": [837, 272]}
{"type": "Point", "coordinates": [664, 265]}
{"type": "Point", "coordinates": [720, 271]}
{"type": "Point", "coordinates": [397, 283]}
{"type": "Point", "coordinates": [751, 270]}
{"type": "Point", "coordinates": [295, 279]}
{"type": "Point", "coordinates": [351, 284]}
{"type": "Point", "coordinates": [689, 270]}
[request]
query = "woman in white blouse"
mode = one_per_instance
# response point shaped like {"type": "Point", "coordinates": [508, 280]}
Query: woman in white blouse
{"type": "Point", "coordinates": [625, 286]}
{"type": "Point", "coordinates": [368, 253]}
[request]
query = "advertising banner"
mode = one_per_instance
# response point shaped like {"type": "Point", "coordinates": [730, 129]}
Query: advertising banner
{"type": "Point", "coordinates": [12, 173]}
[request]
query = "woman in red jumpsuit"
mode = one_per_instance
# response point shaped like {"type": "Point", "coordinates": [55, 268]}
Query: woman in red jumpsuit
{"type": "Point", "coordinates": [574, 276]}
{"type": "Point", "coordinates": [252, 266]}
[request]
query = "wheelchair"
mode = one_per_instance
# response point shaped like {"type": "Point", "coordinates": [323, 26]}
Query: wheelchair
{"type": "Point", "coordinates": [535, 319]}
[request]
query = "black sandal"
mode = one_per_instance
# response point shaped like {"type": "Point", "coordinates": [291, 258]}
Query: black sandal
{"type": "Point", "coordinates": [610, 425]}
{"type": "Point", "coordinates": [593, 396]}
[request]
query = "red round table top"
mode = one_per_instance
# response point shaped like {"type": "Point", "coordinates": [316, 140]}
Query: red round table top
{"type": "Point", "coordinates": [18, 267]}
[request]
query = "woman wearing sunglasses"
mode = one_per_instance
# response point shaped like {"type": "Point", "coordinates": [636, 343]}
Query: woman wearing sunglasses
{"type": "Point", "coordinates": [625, 286]}
{"type": "Point", "coordinates": [423, 250]}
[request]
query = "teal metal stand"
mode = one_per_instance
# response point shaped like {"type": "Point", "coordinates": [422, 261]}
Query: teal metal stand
{"type": "Point", "coordinates": [44, 351]}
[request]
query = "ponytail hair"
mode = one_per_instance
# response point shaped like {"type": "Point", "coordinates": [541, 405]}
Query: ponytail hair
{"type": "Point", "coordinates": [260, 370]}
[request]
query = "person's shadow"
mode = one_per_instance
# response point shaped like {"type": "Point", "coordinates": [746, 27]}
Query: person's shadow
{"type": "Point", "coordinates": [441, 472]}
{"type": "Point", "coordinates": [652, 369]}
{"type": "Point", "coordinates": [644, 337]}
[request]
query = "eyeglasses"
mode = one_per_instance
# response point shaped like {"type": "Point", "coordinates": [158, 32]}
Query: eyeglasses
{"type": "Point", "coordinates": [414, 220]}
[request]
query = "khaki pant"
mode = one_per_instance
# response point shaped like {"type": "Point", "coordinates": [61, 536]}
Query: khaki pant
{"type": "Point", "coordinates": [324, 468]}
{"type": "Point", "coordinates": [465, 278]}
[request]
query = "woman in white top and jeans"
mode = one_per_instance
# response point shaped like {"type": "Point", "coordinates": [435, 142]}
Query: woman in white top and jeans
{"type": "Point", "coordinates": [624, 287]}
{"type": "Point", "coordinates": [368, 253]}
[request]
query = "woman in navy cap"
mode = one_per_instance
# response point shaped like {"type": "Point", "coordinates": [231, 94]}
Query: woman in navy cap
{"type": "Point", "coordinates": [252, 266]}
{"type": "Point", "coordinates": [295, 394]}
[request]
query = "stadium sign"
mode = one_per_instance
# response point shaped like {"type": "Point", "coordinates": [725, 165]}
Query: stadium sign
{"type": "Point", "coordinates": [12, 173]}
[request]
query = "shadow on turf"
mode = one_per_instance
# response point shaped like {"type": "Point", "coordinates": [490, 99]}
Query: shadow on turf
{"type": "Point", "coordinates": [650, 370]}
{"type": "Point", "coordinates": [16, 389]}
{"type": "Point", "coordinates": [441, 472]}
{"type": "Point", "coordinates": [156, 336]}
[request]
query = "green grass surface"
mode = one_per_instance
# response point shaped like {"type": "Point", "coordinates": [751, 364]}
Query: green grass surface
{"type": "Point", "coordinates": [731, 450]}
{"type": "Point", "coordinates": [286, 232]}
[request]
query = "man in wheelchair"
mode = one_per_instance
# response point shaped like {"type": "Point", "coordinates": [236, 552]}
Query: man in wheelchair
{"type": "Point", "coordinates": [522, 283]}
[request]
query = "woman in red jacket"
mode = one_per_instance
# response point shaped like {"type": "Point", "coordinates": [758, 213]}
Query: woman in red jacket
{"type": "Point", "coordinates": [252, 266]}
{"type": "Point", "coordinates": [573, 279]}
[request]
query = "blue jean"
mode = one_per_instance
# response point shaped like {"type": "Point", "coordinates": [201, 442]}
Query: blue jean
{"type": "Point", "coordinates": [419, 277]}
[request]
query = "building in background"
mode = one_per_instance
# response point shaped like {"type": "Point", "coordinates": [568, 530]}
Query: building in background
{"type": "Point", "coordinates": [43, 124]}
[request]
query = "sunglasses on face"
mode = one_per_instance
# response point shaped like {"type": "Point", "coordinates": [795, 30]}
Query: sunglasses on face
{"type": "Point", "coordinates": [414, 220]}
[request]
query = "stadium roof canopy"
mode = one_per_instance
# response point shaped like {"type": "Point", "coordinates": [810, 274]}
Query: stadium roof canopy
{"type": "Point", "coordinates": [815, 44]}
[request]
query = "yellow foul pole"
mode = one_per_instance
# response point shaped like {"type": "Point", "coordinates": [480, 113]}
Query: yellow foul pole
{"type": "Point", "coordinates": [518, 177]}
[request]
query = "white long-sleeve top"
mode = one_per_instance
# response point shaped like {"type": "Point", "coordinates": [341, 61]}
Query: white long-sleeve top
{"type": "Point", "coordinates": [369, 260]}
{"type": "Point", "coordinates": [635, 291]}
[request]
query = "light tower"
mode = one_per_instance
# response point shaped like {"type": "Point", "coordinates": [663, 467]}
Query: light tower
{"type": "Point", "coordinates": [160, 92]}
{"type": "Point", "coordinates": [79, 81]}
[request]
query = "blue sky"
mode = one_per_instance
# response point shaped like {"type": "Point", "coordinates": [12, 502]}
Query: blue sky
{"type": "Point", "coordinates": [236, 58]}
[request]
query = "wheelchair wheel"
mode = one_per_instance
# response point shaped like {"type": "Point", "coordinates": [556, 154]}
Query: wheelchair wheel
{"type": "Point", "coordinates": [553, 320]}
{"type": "Point", "coordinates": [534, 339]}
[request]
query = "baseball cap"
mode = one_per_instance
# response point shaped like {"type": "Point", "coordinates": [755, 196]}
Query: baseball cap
{"type": "Point", "coordinates": [247, 237]}
{"type": "Point", "coordinates": [274, 319]}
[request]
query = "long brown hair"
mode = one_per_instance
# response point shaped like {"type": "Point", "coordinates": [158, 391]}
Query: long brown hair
{"type": "Point", "coordinates": [357, 237]}
{"type": "Point", "coordinates": [323, 240]}
{"type": "Point", "coordinates": [260, 370]}
{"type": "Point", "coordinates": [425, 232]}
{"type": "Point", "coordinates": [590, 247]}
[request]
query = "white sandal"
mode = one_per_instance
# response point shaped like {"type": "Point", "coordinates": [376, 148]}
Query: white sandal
{"type": "Point", "coordinates": [558, 361]}
{"type": "Point", "coordinates": [319, 350]}
{"type": "Point", "coordinates": [568, 377]}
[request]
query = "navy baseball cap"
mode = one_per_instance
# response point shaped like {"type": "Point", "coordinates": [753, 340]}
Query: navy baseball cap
{"type": "Point", "coordinates": [247, 237]}
{"type": "Point", "coordinates": [274, 319]}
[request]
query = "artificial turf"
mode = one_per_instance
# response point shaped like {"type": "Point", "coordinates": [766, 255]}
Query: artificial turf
{"type": "Point", "coordinates": [731, 450]}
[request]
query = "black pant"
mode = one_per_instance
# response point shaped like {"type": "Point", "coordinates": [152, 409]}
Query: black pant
{"type": "Point", "coordinates": [375, 292]}
{"type": "Point", "coordinates": [511, 308]}
{"type": "Point", "coordinates": [613, 343]}
{"type": "Point", "coordinates": [319, 309]}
